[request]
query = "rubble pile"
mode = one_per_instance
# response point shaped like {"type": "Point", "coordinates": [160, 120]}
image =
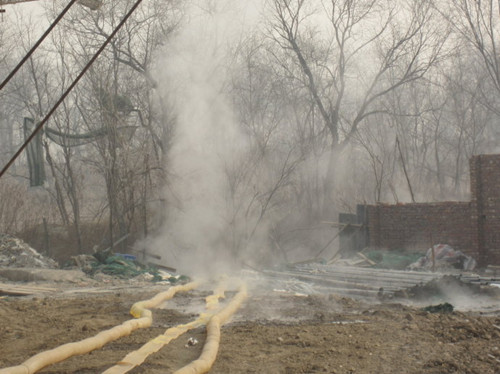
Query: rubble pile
{"type": "Point", "coordinates": [16, 253]}
{"type": "Point", "coordinates": [442, 256]}
{"type": "Point", "coordinates": [123, 266]}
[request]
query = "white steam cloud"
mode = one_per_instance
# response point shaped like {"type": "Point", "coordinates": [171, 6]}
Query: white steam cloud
{"type": "Point", "coordinates": [206, 137]}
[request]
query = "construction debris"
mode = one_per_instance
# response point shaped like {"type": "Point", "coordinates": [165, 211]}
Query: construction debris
{"type": "Point", "coordinates": [191, 342]}
{"type": "Point", "coordinates": [309, 278]}
{"type": "Point", "coordinates": [120, 267]}
{"type": "Point", "coordinates": [442, 256]}
{"type": "Point", "coordinates": [16, 253]}
{"type": "Point", "coordinates": [394, 259]}
{"type": "Point", "coordinates": [368, 282]}
{"type": "Point", "coordinates": [124, 266]}
{"type": "Point", "coordinates": [440, 308]}
{"type": "Point", "coordinates": [377, 258]}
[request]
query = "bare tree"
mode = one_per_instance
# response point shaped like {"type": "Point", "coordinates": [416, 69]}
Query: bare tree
{"type": "Point", "coordinates": [476, 26]}
{"type": "Point", "coordinates": [120, 100]}
{"type": "Point", "coordinates": [401, 52]}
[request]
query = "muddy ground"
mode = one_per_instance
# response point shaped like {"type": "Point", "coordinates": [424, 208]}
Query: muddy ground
{"type": "Point", "coordinates": [272, 333]}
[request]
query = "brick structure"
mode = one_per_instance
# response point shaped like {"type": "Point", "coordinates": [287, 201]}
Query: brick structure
{"type": "Point", "coordinates": [485, 207]}
{"type": "Point", "coordinates": [472, 227]}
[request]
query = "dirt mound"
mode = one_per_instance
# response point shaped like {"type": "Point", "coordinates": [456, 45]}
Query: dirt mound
{"type": "Point", "coordinates": [16, 253]}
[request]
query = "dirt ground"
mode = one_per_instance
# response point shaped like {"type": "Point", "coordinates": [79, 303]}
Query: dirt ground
{"type": "Point", "coordinates": [272, 333]}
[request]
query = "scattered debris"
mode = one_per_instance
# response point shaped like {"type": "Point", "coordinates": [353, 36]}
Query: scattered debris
{"type": "Point", "coordinates": [378, 258]}
{"type": "Point", "coordinates": [353, 281]}
{"type": "Point", "coordinates": [165, 276]}
{"type": "Point", "coordinates": [191, 342]}
{"type": "Point", "coordinates": [442, 256]}
{"type": "Point", "coordinates": [449, 285]}
{"type": "Point", "coordinates": [393, 259]}
{"type": "Point", "coordinates": [493, 357]}
{"type": "Point", "coordinates": [124, 266]}
{"type": "Point", "coordinates": [440, 308]}
{"type": "Point", "coordinates": [16, 253]}
{"type": "Point", "coordinates": [384, 296]}
{"type": "Point", "coordinates": [120, 267]}
{"type": "Point", "coordinates": [84, 262]}
{"type": "Point", "coordinates": [359, 260]}
{"type": "Point", "coordinates": [492, 270]}
{"type": "Point", "coordinates": [366, 259]}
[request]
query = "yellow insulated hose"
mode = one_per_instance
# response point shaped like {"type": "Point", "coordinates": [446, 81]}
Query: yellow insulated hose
{"type": "Point", "coordinates": [143, 319]}
{"type": "Point", "coordinates": [211, 347]}
{"type": "Point", "coordinates": [136, 358]}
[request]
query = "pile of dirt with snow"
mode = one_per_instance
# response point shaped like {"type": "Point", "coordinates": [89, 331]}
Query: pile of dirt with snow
{"type": "Point", "coordinates": [16, 253]}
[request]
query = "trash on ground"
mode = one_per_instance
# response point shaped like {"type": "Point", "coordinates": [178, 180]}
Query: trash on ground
{"type": "Point", "coordinates": [440, 308]}
{"type": "Point", "coordinates": [443, 256]}
{"type": "Point", "coordinates": [394, 259]}
{"type": "Point", "coordinates": [191, 342]}
{"type": "Point", "coordinates": [16, 253]}
{"type": "Point", "coordinates": [124, 266]}
{"type": "Point", "coordinates": [120, 267]}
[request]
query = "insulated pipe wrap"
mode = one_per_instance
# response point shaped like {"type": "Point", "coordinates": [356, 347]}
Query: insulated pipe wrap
{"type": "Point", "coordinates": [138, 310]}
{"type": "Point", "coordinates": [211, 347]}
{"type": "Point", "coordinates": [136, 358]}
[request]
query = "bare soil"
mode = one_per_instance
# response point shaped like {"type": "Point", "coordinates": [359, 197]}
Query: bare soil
{"type": "Point", "coordinates": [271, 333]}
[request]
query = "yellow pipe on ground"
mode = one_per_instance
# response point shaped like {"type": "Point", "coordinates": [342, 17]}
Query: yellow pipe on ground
{"type": "Point", "coordinates": [136, 358]}
{"type": "Point", "coordinates": [211, 347]}
{"type": "Point", "coordinates": [143, 319]}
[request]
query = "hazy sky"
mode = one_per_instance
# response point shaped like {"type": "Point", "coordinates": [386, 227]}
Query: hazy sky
{"type": "Point", "coordinates": [33, 8]}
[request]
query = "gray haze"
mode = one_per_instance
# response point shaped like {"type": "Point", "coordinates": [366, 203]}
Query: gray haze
{"type": "Point", "coordinates": [234, 130]}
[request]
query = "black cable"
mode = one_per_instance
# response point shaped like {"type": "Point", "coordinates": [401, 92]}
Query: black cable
{"type": "Point", "coordinates": [66, 93]}
{"type": "Point", "coordinates": [37, 44]}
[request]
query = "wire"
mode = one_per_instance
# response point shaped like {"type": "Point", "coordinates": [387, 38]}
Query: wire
{"type": "Point", "coordinates": [66, 93]}
{"type": "Point", "coordinates": [37, 44]}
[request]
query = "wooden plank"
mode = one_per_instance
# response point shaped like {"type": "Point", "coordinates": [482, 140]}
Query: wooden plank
{"type": "Point", "coordinates": [340, 224]}
{"type": "Point", "coordinates": [22, 290]}
{"type": "Point", "coordinates": [366, 259]}
{"type": "Point", "coordinates": [12, 292]}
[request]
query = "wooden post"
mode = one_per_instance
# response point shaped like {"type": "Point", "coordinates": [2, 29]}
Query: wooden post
{"type": "Point", "coordinates": [46, 236]}
{"type": "Point", "coordinates": [433, 255]}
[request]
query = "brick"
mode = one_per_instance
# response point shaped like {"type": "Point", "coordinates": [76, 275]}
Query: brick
{"type": "Point", "coordinates": [472, 227]}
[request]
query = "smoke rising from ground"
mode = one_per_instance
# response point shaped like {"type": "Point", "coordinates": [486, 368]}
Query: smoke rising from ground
{"type": "Point", "coordinates": [253, 163]}
{"type": "Point", "coordinates": [207, 138]}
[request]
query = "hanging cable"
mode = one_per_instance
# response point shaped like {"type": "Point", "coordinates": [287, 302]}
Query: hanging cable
{"type": "Point", "coordinates": [37, 44]}
{"type": "Point", "coordinates": [66, 93]}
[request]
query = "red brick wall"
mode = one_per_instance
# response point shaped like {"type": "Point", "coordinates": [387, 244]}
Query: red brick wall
{"type": "Point", "coordinates": [416, 226]}
{"type": "Point", "coordinates": [472, 227]}
{"type": "Point", "coordinates": [485, 207]}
